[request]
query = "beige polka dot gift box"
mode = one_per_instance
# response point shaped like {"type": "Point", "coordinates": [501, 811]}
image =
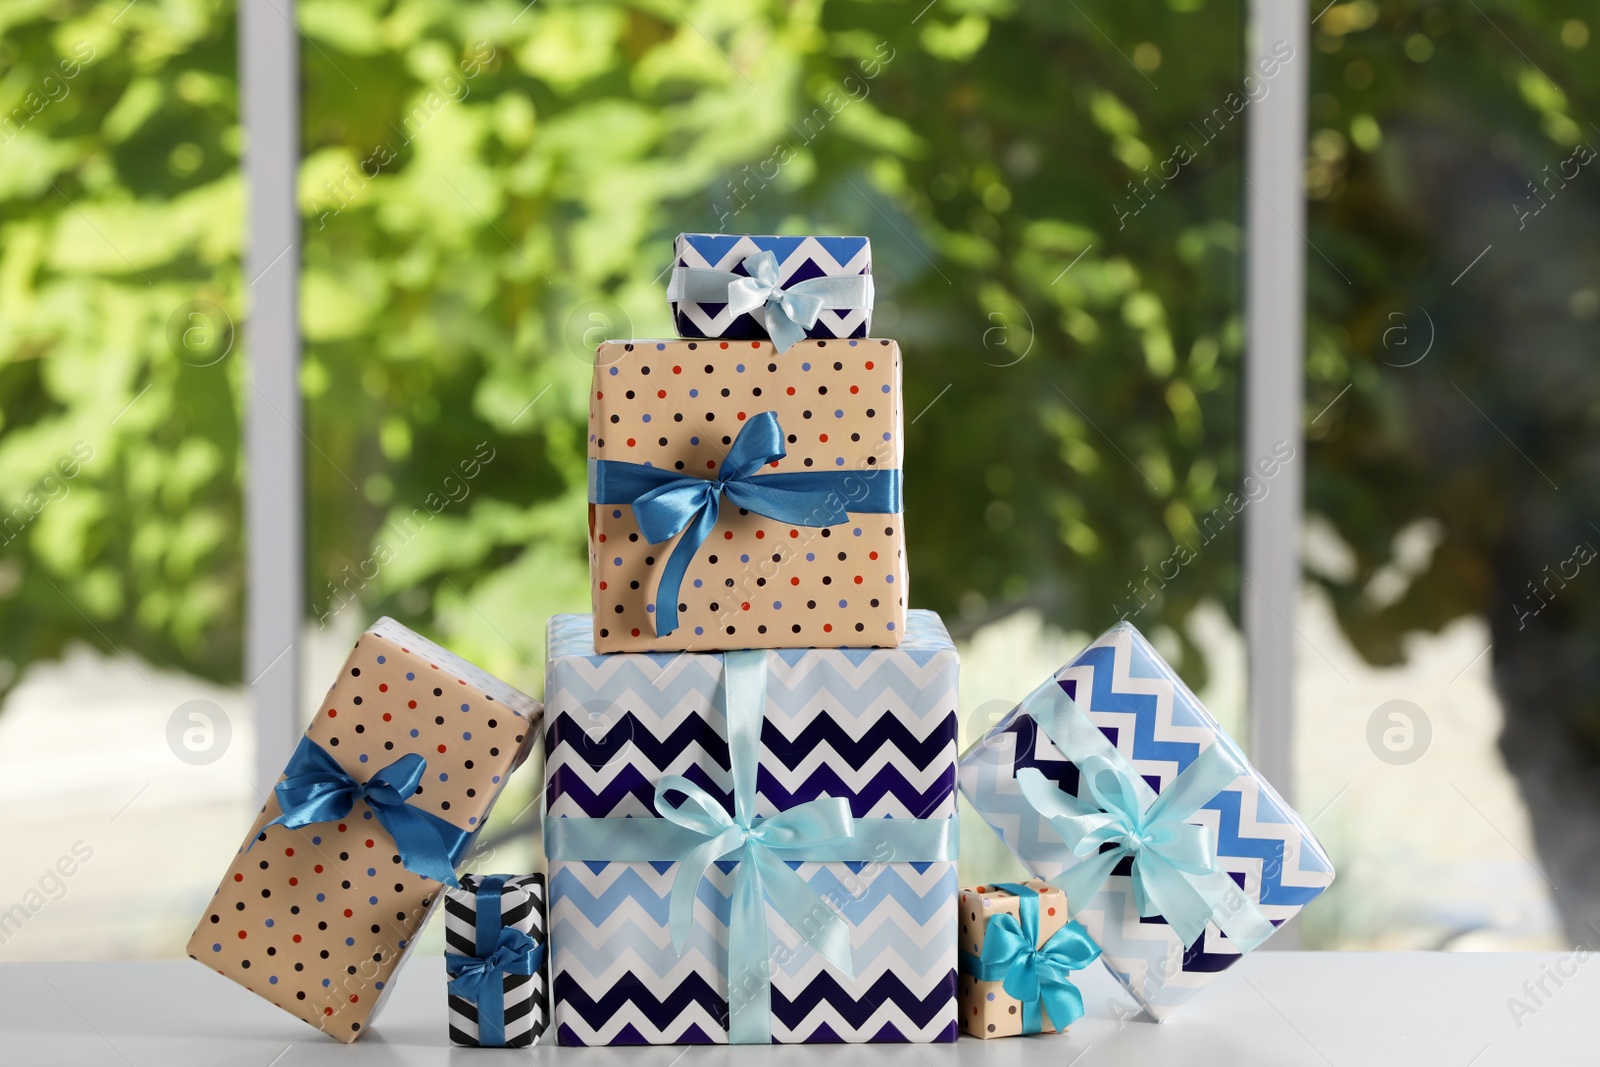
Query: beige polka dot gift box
{"type": "Point", "coordinates": [377, 806]}
{"type": "Point", "coordinates": [742, 497]}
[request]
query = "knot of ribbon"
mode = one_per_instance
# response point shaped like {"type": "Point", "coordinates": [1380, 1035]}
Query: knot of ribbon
{"type": "Point", "coordinates": [786, 312]}
{"type": "Point", "coordinates": [1176, 873]}
{"type": "Point", "coordinates": [697, 831]}
{"type": "Point", "coordinates": [666, 503]}
{"type": "Point", "coordinates": [316, 789]}
{"type": "Point", "coordinates": [1029, 972]}
{"type": "Point", "coordinates": [501, 950]}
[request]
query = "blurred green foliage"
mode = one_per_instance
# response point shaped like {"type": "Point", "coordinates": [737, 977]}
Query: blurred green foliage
{"type": "Point", "coordinates": [1056, 211]}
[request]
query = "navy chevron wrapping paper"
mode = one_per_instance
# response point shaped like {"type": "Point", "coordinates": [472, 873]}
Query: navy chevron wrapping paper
{"type": "Point", "coordinates": [873, 727]}
{"type": "Point", "coordinates": [796, 261]}
{"type": "Point", "coordinates": [1270, 863]}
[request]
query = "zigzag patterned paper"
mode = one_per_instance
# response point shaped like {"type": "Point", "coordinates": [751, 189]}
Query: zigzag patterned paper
{"type": "Point", "coordinates": [521, 907]}
{"type": "Point", "coordinates": [876, 727]}
{"type": "Point", "coordinates": [1153, 719]}
{"type": "Point", "coordinates": [799, 258]}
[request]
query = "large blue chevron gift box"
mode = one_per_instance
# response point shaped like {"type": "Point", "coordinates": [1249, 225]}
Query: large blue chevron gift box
{"type": "Point", "coordinates": [752, 846]}
{"type": "Point", "coordinates": [1113, 782]}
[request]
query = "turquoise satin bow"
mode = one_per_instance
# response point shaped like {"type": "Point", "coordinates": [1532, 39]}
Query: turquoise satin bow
{"type": "Point", "coordinates": [501, 950]}
{"type": "Point", "coordinates": [1032, 973]}
{"type": "Point", "coordinates": [316, 789]}
{"type": "Point", "coordinates": [786, 312]}
{"type": "Point", "coordinates": [696, 832]}
{"type": "Point", "coordinates": [1176, 874]}
{"type": "Point", "coordinates": [666, 503]}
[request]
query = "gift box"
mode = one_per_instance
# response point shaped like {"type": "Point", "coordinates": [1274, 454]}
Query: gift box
{"type": "Point", "coordinates": [1114, 783]}
{"type": "Point", "coordinates": [742, 499]}
{"type": "Point", "coordinates": [684, 790]}
{"type": "Point", "coordinates": [1018, 952]}
{"type": "Point", "coordinates": [744, 286]}
{"type": "Point", "coordinates": [494, 943]}
{"type": "Point", "coordinates": [378, 804]}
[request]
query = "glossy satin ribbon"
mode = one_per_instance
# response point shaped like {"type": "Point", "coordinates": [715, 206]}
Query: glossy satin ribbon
{"type": "Point", "coordinates": [316, 789]}
{"type": "Point", "coordinates": [666, 503]}
{"type": "Point", "coordinates": [697, 831]}
{"type": "Point", "coordinates": [786, 312]}
{"type": "Point", "coordinates": [1032, 973]}
{"type": "Point", "coordinates": [500, 950]}
{"type": "Point", "coordinates": [1176, 873]}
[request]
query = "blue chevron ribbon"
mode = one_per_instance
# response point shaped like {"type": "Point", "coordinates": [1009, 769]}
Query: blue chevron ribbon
{"type": "Point", "coordinates": [786, 312]}
{"type": "Point", "coordinates": [697, 831]}
{"type": "Point", "coordinates": [667, 503]}
{"type": "Point", "coordinates": [315, 788]}
{"type": "Point", "coordinates": [1033, 973]}
{"type": "Point", "coordinates": [498, 950]}
{"type": "Point", "coordinates": [1176, 873]}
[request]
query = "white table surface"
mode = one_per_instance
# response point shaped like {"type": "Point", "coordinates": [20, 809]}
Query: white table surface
{"type": "Point", "coordinates": [1278, 1008]}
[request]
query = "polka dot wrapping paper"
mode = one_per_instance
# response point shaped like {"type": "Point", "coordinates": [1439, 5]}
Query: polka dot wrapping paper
{"type": "Point", "coordinates": [755, 582]}
{"type": "Point", "coordinates": [317, 919]}
{"type": "Point", "coordinates": [987, 1010]}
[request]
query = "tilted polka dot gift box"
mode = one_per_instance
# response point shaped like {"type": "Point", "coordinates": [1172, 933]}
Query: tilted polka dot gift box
{"type": "Point", "coordinates": [743, 498]}
{"type": "Point", "coordinates": [379, 803]}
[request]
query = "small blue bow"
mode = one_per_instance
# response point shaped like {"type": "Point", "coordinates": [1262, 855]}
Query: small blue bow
{"type": "Point", "coordinates": [478, 978]}
{"type": "Point", "coordinates": [785, 312]}
{"type": "Point", "coordinates": [1032, 973]}
{"type": "Point", "coordinates": [316, 789]}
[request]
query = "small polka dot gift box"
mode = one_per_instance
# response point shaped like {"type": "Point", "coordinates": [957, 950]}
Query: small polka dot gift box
{"type": "Point", "coordinates": [1018, 952]}
{"type": "Point", "coordinates": [740, 286]}
{"type": "Point", "coordinates": [377, 806]}
{"type": "Point", "coordinates": [752, 847]}
{"type": "Point", "coordinates": [742, 498]}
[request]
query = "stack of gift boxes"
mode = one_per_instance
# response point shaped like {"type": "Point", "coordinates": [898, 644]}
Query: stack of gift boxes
{"type": "Point", "coordinates": [751, 749]}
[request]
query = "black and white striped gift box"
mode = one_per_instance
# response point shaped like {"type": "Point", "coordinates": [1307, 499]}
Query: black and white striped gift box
{"type": "Point", "coordinates": [522, 905]}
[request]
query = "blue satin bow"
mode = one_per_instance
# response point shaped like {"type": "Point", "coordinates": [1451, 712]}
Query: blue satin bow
{"type": "Point", "coordinates": [666, 503]}
{"type": "Point", "coordinates": [1032, 973]}
{"type": "Point", "coordinates": [697, 831]}
{"type": "Point", "coordinates": [316, 789]}
{"type": "Point", "coordinates": [785, 312]}
{"type": "Point", "coordinates": [501, 950]}
{"type": "Point", "coordinates": [1176, 873]}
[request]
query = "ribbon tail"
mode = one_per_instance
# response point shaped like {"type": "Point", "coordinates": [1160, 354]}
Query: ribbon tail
{"type": "Point", "coordinates": [1082, 881]}
{"type": "Point", "coordinates": [666, 613]}
{"type": "Point", "coordinates": [422, 850]}
{"type": "Point", "coordinates": [1235, 914]}
{"type": "Point", "coordinates": [686, 886]}
{"type": "Point", "coordinates": [823, 928]}
{"type": "Point", "coordinates": [1174, 895]}
{"type": "Point", "coordinates": [783, 330]}
{"type": "Point", "coordinates": [749, 966]}
{"type": "Point", "coordinates": [1063, 1001]}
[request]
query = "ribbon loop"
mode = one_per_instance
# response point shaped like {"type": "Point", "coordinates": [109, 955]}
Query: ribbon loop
{"type": "Point", "coordinates": [317, 789]}
{"type": "Point", "coordinates": [1176, 873]}
{"type": "Point", "coordinates": [785, 312]}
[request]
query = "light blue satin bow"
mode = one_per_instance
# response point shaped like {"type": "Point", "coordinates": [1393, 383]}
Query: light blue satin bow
{"type": "Point", "coordinates": [1032, 973]}
{"type": "Point", "coordinates": [786, 312]}
{"type": "Point", "coordinates": [1176, 874]}
{"type": "Point", "coordinates": [501, 950]}
{"type": "Point", "coordinates": [697, 832]}
{"type": "Point", "coordinates": [316, 789]}
{"type": "Point", "coordinates": [666, 503]}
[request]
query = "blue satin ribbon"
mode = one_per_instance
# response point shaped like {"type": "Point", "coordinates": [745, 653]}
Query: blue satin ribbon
{"type": "Point", "coordinates": [666, 503]}
{"type": "Point", "coordinates": [786, 312]}
{"type": "Point", "coordinates": [1176, 873]}
{"type": "Point", "coordinates": [500, 950]}
{"type": "Point", "coordinates": [1037, 975]}
{"type": "Point", "coordinates": [697, 831]}
{"type": "Point", "coordinates": [316, 789]}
